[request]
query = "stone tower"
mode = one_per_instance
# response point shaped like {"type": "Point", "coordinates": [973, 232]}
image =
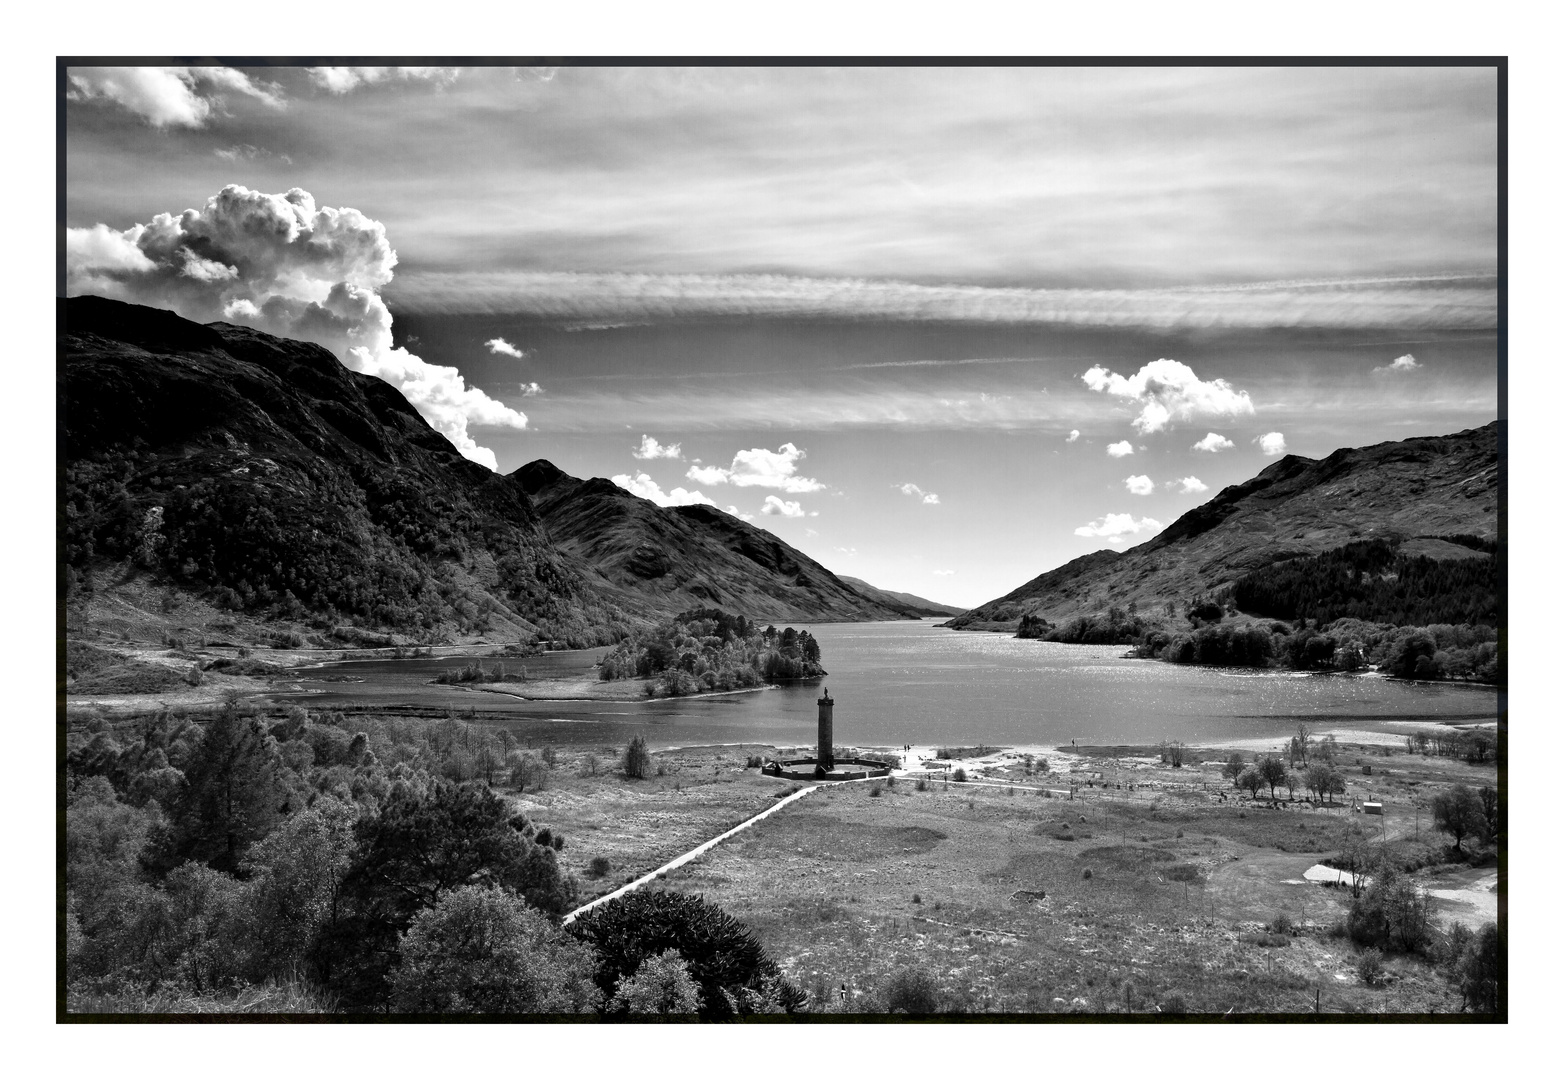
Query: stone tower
{"type": "Point", "coordinates": [825, 754]}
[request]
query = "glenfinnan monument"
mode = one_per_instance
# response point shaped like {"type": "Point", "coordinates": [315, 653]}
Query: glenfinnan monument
{"type": "Point", "coordinates": [824, 754]}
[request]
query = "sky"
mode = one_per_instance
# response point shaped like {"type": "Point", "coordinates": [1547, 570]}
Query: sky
{"type": "Point", "coordinates": [942, 329]}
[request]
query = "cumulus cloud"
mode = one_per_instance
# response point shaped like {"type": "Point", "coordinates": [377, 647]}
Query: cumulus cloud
{"type": "Point", "coordinates": [1139, 485]}
{"type": "Point", "coordinates": [1213, 443]}
{"type": "Point", "coordinates": [502, 347]}
{"type": "Point", "coordinates": [1272, 443]}
{"type": "Point", "coordinates": [1120, 449]}
{"type": "Point", "coordinates": [918, 493]}
{"type": "Point", "coordinates": [760, 468]}
{"type": "Point", "coordinates": [647, 488]}
{"type": "Point", "coordinates": [1073, 436]}
{"type": "Point", "coordinates": [530, 389]}
{"type": "Point", "coordinates": [284, 265]}
{"type": "Point", "coordinates": [1405, 362]}
{"type": "Point", "coordinates": [1189, 485]}
{"type": "Point", "coordinates": [650, 448]}
{"type": "Point", "coordinates": [741, 516]}
{"type": "Point", "coordinates": [1116, 526]}
{"type": "Point", "coordinates": [1167, 390]}
{"type": "Point", "coordinates": [784, 507]}
{"type": "Point", "coordinates": [341, 80]}
{"type": "Point", "coordinates": [167, 96]}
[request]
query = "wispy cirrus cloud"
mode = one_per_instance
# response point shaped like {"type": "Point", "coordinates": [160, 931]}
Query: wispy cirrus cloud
{"type": "Point", "coordinates": [342, 80]}
{"type": "Point", "coordinates": [168, 96]}
{"type": "Point", "coordinates": [1456, 302]}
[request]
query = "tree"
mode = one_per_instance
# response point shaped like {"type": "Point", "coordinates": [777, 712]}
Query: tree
{"type": "Point", "coordinates": [235, 791]}
{"type": "Point", "coordinates": [1293, 782]}
{"type": "Point", "coordinates": [1273, 771]}
{"type": "Point", "coordinates": [1233, 768]}
{"type": "Point", "coordinates": [1489, 800]}
{"type": "Point", "coordinates": [660, 986]}
{"type": "Point", "coordinates": [1459, 812]}
{"type": "Point", "coordinates": [1251, 781]}
{"type": "Point", "coordinates": [723, 956]}
{"type": "Point", "coordinates": [637, 759]}
{"type": "Point", "coordinates": [422, 845]}
{"type": "Point", "coordinates": [1318, 779]}
{"type": "Point", "coordinates": [296, 876]}
{"type": "Point", "coordinates": [482, 949]}
{"type": "Point", "coordinates": [1298, 747]}
{"type": "Point", "coordinates": [1481, 972]}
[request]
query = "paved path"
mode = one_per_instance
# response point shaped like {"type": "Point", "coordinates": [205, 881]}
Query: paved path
{"type": "Point", "coordinates": [692, 854]}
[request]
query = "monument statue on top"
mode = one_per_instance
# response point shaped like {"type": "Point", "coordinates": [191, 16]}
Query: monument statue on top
{"type": "Point", "coordinates": [824, 753]}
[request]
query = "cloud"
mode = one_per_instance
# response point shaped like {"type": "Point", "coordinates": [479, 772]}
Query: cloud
{"type": "Point", "coordinates": [1405, 362]}
{"type": "Point", "coordinates": [530, 389]}
{"type": "Point", "coordinates": [502, 347]}
{"type": "Point", "coordinates": [647, 488]}
{"type": "Point", "coordinates": [1120, 449]}
{"type": "Point", "coordinates": [786, 508]}
{"type": "Point", "coordinates": [1168, 390]}
{"type": "Point", "coordinates": [167, 96]}
{"type": "Point", "coordinates": [846, 550]}
{"type": "Point", "coordinates": [650, 449]}
{"type": "Point", "coordinates": [1213, 443]}
{"type": "Point", "coordinates": [246, 152]}
{"type": "Point", "coordinates": [1073, 436]}
{"type": "Point", "coordinates": [760, 468]}
{"type": "Point", "coordinates": [811, 532]}
{"type": "Point", "coordinates": [943, 573]}
{"type": "Point", "coordinates": [1139, 485]}
{"type": "Point", "coordinates": [743, 517]}
{"type": "Point", "coordinates": [913, 489]}
{"type": "Point", "coordinates": [1190, 485]}
{"type": "Point", "coordinates": [1115, 526]}
{"type": "Point", "coordinates": [1272, 444]}
{"type": "Point", "coordinates": [284, 265]}
{"type": "Point", "coordinates": [1456, 302]}
{"type": "Point", "coordinates": [341, 80]}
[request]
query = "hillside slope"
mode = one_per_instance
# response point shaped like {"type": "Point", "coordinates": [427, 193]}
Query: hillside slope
{"type": "Point", "coordinates": [1423, 487]}
{"type": "Point", "coordinates": [672, 559]}
{"type": "Point", "coordinates": [233, 470]}
{"type": "Point", "coordinates": [922, 606]}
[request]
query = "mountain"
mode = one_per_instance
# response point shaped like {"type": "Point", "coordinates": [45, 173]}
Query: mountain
{"type": "Point", "coordinates": [1413, 492]}
{"type": "Point", "coordinates": [218, 479]}
{"type": "Point", "coordinates": [674, 558]}
{"type": "Point", "coordinates": [218, 473]}
{"type": "Point", "coordinates": [917, 603]}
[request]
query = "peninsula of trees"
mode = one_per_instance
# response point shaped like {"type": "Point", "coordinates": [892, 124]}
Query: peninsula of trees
{"type": "Point", "coordinates": [707, 650]}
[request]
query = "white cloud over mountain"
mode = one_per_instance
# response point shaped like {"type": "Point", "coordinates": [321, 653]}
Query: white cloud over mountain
{"type": "Point", "coordinates": [1272, 443]}
{"type": "Point", "coordinates": [284, 265]}
{"type": "Point", "coordinates": [1168, 390]}
{"type": "Point", "coordinates": [1139, 485]}
{"type": "Point", "coordinates": [1190, 485]}
{"type": "Point", "coordinates": [914, 490]}
{"type": "Point", "coordinates": [760, 468]}
{"type": "Point", "coordinates": [650, 449]}
{"type": "Point", "coordinates": [647, 488]}
{"type": "Point", "coordinates": [784, 507]}
{"type": "Point", "coordinates": [1213, 443]}
{"type": "Point", "coordinates": [1116, 526]}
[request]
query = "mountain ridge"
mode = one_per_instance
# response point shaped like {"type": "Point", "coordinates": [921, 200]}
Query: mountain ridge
{"type": "Point", "coordinates": [1410, 489]}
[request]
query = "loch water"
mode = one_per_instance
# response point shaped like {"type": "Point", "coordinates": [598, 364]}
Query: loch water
{"type": "Point", "coordinates": [916, 682]}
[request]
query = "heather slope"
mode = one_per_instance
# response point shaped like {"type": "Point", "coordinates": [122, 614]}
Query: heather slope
{"type": "Point", "coordinates": [1413, 488]}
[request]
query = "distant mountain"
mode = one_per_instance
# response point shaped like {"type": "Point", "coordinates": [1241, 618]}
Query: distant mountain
{"type": "Point", "coordinates": [235, 473]}
{"type": "Point", "coordinates": [671, 559]}
{"type": "Point", "coordinates": [1412, 492]}
{"type": "Point", "coordinates": [923, 607]}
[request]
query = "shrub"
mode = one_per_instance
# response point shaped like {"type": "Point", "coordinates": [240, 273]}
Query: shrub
{"type": "Point", "coordinates": [921, 785]}
{"type": "Point", "coordinates": [723, 956]}
{"type": "Point", "coordinates": [599, 866]}
{"type": "Point", "coordinates": [1282, 924]}
{"type": "Point", "coordinates": [484, 950]}
{"type": "Point", "coordinates": [1481, 972]}
{"type": "Point", "coordinates": [875, 792]}
{"type": "Point", "coordinates": [754, 761]}
{"type": "Point", "coordinates": [1086, 875]}
{"type": "Point", "coordinates": [912, 991]}
{"type": "Point", "coordinates": [1173, 1004]}
{"type": "Point", "coordinates": [959, 775]}
{"type": "Point", "coordinates": [1371, 967]}
{"type": "Point", "coordinates": [660, 986]}
{"type": "Point", "coordinates": [637, 759]}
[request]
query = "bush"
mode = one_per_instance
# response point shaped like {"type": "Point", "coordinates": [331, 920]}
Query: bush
{"type": "Point", "coordinates": [599, 867]}
{"type": "Point", "coordinates": [637, 759]}
{"type": "Point", "coordinates": [1481, 972]}
{"type": "Point", "coordinates": [1282, 924]}
{"type": "Point", "coordinates": [735, 975]}
{"type": "Point", "coordinates": [661, 986]}
{"type": "Point", "coordinates": [921, 785]}
{"type": "Point", "coordinates": [959, 775]}
{"type": "Point", "coordinates": [1371, 967]}
{"type": "Point", "coordinates": [1174, 1005]}
{"type": "Point", "coordinates": [912, 991]}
